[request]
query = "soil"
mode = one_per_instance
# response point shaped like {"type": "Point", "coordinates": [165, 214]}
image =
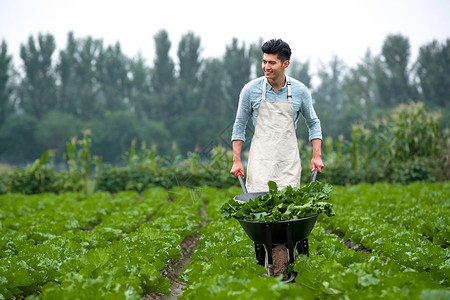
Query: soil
{"type": "Point", "coordinates": [174, 270]}
{"type": "Point", "coordinates": [280, 261]}
{"type": "Point", "coordinates": [89, 228]}
{"type": "Point", "coordinates": [349, 244]}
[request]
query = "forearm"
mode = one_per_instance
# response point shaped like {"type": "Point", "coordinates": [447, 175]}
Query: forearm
{"type": "Point", "coordinates": [317, 145]}
{"type": "Point", "coordinates": [237, 148]}
{"type": "Point", "coordinates": [316, 161]}
{"type": "Point", "coordinates": [237, 164]}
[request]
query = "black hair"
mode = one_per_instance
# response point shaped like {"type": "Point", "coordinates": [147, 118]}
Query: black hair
{"type": "Point", "coordinates": [279, 47]}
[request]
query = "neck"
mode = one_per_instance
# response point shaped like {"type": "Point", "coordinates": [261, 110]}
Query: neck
{"type": "Point", "coordinates": [277, 83]}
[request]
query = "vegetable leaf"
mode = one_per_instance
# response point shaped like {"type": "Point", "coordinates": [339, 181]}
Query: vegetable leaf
{"type": "Point", "coordinates": [283, 205]}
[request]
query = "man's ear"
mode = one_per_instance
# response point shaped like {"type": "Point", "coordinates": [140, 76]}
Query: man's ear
{"type": "Point", "coordinates": [286, 64]}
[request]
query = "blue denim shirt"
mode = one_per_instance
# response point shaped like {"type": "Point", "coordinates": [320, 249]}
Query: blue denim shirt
{"type": "Point", "coordinates": [250, 99]}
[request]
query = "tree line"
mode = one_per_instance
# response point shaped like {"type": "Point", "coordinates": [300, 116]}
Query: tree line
{"type": "Point", "coordinates": [188, 105]}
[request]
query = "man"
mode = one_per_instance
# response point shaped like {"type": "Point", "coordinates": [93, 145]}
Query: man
{"type": "Point", "coordinates": [274, 102]}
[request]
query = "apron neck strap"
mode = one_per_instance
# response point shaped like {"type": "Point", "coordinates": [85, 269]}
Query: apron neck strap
{"type": "Point", "coordinates": [289, 95]}
{"type": "Point", "coordinates": [289, 92]}
{"type": "Point", "coordinates": [264, 89]}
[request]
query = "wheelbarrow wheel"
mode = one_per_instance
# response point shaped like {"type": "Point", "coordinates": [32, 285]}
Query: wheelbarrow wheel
{"type": "Point", "coordinates": [302, 248]}
{"type": "Point", "coordinates": [280, 258]}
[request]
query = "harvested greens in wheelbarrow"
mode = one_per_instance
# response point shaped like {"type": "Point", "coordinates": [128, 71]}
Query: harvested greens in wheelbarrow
{"type": "Point", "coordinates": [282, 205]}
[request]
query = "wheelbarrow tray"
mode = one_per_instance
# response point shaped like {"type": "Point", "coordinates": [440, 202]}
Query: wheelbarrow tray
{"type": "Point", "coordinates": [299, 229]}
{"type": "Point", "coordinates": [279, 232]}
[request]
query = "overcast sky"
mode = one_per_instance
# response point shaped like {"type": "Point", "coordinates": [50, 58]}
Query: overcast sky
{"type": "Point", "coordinates": [315, 30]}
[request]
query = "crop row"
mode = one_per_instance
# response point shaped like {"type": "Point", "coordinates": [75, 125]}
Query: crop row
{"type": "Point", "coordinates": [409, 224]}
{"type": "Point", "coordinates": [224, 265]}
{"type": "Point", "coordinates": [122, 256]}
{"type": "Point", "coordinates": [28, 221]}
{"type": "Point", "coordinates": [116, 246]}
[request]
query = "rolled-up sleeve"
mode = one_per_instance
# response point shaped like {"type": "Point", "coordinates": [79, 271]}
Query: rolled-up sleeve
{"type": "Point", "coordinates": [311, 119]}
{"type": "Point", "coordinates": [242, 115]}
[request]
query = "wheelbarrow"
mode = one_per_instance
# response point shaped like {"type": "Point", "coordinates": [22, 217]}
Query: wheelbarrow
{"type": "Point", "coordinates": [266, 235]}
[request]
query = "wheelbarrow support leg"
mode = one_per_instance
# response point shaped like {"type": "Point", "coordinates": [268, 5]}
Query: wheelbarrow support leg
{"type": "Point", "coordinates": [268, 246]}
{"type": "Point", "coordinates": [291, 248]}
{"type": "Point", "coordinates": [260, 253]}
{"type": "Point", "coordinates": [303, 247]}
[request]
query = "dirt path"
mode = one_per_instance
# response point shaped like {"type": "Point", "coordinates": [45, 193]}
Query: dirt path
{"type": "Point", "coordinates": [348, 244]}
{"type": "Point", "coordinates": [174, 270]}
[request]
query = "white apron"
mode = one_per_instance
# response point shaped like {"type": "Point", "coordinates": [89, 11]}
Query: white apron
{"type": "Point", "coordinates": [274, 153]}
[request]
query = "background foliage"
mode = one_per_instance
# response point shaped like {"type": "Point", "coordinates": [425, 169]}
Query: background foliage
{"type": "Point", "coordinates": [190, 100]}
{"type": "Point", "coordinates": [405, 146]}
{"type": "Point", "coordinates": [169, 124]}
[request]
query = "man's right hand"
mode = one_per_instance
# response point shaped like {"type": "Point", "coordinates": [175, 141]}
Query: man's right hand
{"type": "Point", "coordinates": [237, 167]}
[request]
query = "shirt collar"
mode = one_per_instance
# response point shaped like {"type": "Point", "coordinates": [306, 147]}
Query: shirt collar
{"type": "Point", "coordinates": [282, 89]}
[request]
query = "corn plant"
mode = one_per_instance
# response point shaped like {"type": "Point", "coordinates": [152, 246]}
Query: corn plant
{"type": "Point", "coordinates": [79, 158]}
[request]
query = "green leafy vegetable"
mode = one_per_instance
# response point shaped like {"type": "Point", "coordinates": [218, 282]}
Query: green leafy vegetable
{"type": "Point", "coordinates": [283, 205]}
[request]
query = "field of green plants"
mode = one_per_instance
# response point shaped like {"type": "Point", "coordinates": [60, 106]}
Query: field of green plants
{"type": "Point", "coordinates": [387, 241]}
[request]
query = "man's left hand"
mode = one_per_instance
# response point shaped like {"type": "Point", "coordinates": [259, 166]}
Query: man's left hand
{"type": "Point", "coordinates": [316, 163]}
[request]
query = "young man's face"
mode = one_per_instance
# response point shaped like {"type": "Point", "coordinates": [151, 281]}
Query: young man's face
{"type": "Point", "coordinates": [273, 67]}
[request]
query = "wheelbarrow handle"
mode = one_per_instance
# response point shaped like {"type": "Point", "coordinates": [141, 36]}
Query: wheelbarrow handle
{"type": "Point", "coordinates": [314, 174]}
{"type": "Point", "coordinates": [239, 175]}
{"type": "Point", "coordinates": [241, 181]}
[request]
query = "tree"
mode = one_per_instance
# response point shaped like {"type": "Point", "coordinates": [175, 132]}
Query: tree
{"type": "Point", "coordinates": [67, 70]}
{"type": "Point", "coordinates": [155, 133]}
{"type": "Point", "coordinates": [163, 73]}
{"type": "Point", "coordinates": [112, 70]}
{"type": "Point", "coordinates": [328, 97]}
{"type": "Point", "coordinates": [54, 130]}
{"type": "Point", "coordinates": [142, 100]}
{"type": "Point", "coordinates": [360, 90]}
{"type": "Point", "coordinates": [189, 57]}
{"type": "Point", "coordinates": [79, 89]}
{"type": "Point", "coordinates": [256, 55]}
{"type": "Point", "coordinates": [216, 124]}
{"type": "Point", "coordinates": [433, 71]}
{"type": "Point", "coordinates": [112, 135]}
{"type": "Point", "coordinates": [187, 94]}
{"type": "Point", "coordinates": [300, 71]}
{"type": "Point", "coordinates": [237, 65]}
{"type": "Point", "coordinates": [185, 100]}
{"type": "Point", "coordinates": [38, 90]}
{"type": "Point", "coordinates": [17, 139]}
{"type": "Point", "coordinates": [212, 87]}
{"type": "Point", "coordinates": [5, 89]}
{"type": "Point", "coordinates": [392, 74]}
